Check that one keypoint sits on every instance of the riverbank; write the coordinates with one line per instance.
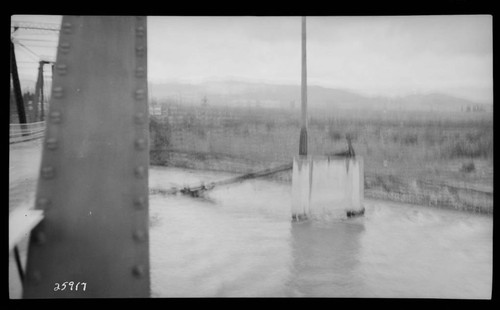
(427, 192)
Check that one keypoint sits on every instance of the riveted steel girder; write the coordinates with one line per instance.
(93, 184)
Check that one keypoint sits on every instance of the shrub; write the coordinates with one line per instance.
(468, 167)
(458, 148)
(409, 139)
(160, 134)
(334, 135)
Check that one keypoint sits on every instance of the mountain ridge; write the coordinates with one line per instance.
(244, 94)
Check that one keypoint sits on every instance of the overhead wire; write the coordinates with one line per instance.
(27, 49)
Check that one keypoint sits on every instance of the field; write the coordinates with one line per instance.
(438, 159)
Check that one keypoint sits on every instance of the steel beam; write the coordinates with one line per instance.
(16, 84)
(93, 184)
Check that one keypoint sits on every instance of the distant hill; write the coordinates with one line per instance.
(245, 94)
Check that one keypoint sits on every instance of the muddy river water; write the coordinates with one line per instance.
(239, 241)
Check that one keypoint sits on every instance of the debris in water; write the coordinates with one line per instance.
(354, 213)
(197, 191)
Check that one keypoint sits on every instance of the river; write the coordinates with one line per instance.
(238, 241)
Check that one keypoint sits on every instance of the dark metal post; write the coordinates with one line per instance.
(38, 101)
(303, 129)
(17, 86)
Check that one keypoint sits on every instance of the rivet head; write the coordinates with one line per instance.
(138, 271)
(139, 235)
(35, 277)
(64, 47)
(48, 172)
(62, 69)
(140, 94)
(52, 143)
(139, 31)
(42, 203)
(139, 118)
(66, 28)
(140, 172)
(140, 72)
(140, 51)
(57, 92)
(55, 117)
(140, 144)
(140, 202)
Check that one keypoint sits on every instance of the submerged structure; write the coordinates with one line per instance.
(327, 186)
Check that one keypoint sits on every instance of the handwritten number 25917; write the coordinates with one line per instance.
(70, 285)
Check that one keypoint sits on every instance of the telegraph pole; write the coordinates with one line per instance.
(303, 129)
(39, 92)
(17, 85)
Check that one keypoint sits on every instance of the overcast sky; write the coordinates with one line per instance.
(373, 55)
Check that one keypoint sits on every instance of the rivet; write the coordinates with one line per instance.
(140, 94)
(139, 236)
(140, 171)
(35, 277)
(48, 172)
(66, 27)
(42, 203)
(62, 69)
(140, 202)
(40, 238)
(139, 51)
(140, 72)
(139, 118)
(55, 117)
(51, 143)
(138, 271)
(139, 31)
(57, 92)
(140, 144)
(65, 47)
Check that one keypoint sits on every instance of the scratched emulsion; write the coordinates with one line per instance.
(239, 241)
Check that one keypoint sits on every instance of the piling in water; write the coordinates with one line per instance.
(327, 186)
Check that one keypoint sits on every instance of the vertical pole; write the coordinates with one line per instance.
(42, 116)
(303, 129)
(42, 111)
(17, 86)
(38, 90)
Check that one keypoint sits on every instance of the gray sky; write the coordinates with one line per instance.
(373, 55)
